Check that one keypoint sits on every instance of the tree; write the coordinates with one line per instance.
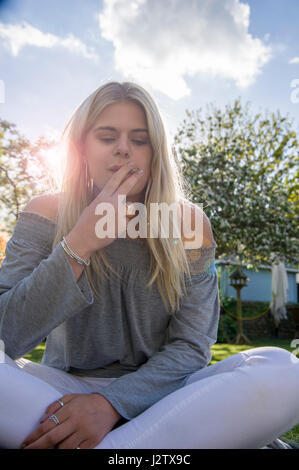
(242, 168)
(18, 183)
(4, 237)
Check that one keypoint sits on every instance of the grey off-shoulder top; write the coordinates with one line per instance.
(127, 334)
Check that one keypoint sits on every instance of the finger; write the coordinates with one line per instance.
(65, 399)
(131, 210)
(117, 177)
(51, 410)
(69, 397)
(54, 407)
(71, 442)
(87, 444)
(128, 183)
(47, 425)
(40, 431)
(53, 437)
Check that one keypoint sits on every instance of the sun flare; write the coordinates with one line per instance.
(50, 165)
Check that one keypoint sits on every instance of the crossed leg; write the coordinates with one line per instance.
(244, 401)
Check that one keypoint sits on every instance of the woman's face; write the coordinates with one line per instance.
(119, 135)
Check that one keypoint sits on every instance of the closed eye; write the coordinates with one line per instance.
(140, 142)
(137, 142)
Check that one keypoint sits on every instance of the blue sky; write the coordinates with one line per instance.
(187, 53)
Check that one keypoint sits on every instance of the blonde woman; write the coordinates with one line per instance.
(129, 317)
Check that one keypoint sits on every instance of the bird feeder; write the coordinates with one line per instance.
(238, 280)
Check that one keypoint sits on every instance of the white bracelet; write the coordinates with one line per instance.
(72, 254)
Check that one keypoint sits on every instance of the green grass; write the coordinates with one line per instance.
(222, 350)
(36, 354)
(219, 352)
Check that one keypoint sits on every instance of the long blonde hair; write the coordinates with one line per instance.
(166, 184)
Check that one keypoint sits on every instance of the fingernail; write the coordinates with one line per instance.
(139, 171)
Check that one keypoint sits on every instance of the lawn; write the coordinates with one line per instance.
(219, 352)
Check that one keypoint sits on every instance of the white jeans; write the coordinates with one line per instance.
(242, 402)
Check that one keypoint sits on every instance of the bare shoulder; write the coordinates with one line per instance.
(45, 205)
(197, 231)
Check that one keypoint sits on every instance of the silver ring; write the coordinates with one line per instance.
(55, 419)
(60, 403)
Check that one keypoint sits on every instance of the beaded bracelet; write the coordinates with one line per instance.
(72, 254)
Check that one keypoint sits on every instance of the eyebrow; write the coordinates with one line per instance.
(108, 128)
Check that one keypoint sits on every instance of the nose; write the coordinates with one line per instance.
(122, 147)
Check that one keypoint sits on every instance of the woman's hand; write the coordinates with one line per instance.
(84, 419)
(84, 231)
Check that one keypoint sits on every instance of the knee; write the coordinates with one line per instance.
(273, 372)
(272, 355)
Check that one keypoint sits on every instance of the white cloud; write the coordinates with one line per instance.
(294, 60)
(162, 42)
(17, 36)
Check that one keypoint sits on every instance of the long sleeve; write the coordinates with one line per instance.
(38, 289)
(190, 334)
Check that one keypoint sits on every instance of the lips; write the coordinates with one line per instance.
(115, 168)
